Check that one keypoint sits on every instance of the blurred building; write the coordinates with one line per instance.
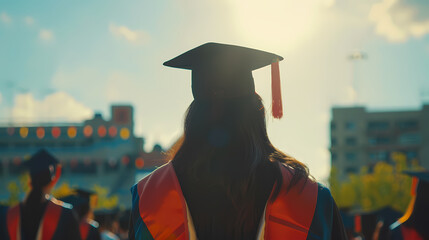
(362, 138)
(93, 152)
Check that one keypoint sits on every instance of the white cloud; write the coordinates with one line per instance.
(46, 35)
(29, 20)
(398, 20)
(4, 17)
(56, 107)
(133, 36)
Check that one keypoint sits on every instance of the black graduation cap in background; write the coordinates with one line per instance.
(422, 175)
(78, 197)
(81, 201)
(41, 161)
(225, 71)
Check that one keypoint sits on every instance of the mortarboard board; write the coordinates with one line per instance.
(422, 175)
(41, 161)
(80, 199)
(225, 71)
(78, 196)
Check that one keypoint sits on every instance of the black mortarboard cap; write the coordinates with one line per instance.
(84, 193)
(225, 71)
(41, 161)
(422, 175)
(78, 197)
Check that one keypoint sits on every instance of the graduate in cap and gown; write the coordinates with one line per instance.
(81, 202)
(414, 224)
(40, 216)
(226, 180)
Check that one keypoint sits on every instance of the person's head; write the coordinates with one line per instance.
(81, 201)
(418, 211)
(44, 170)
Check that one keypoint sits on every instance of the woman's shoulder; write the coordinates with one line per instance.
(164, 173)
(321, 189)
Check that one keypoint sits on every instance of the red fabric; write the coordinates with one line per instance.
(291, 213)
(163, 209)
(276, 93)
(409, 233)
(50, 220)
(358, 224)
(414, 183)
(13, 216)
(84, 229)
(162, 206)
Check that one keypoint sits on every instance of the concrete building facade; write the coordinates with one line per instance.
(362, 138)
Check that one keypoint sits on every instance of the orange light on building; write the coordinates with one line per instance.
(124, 133)
(87, 131)
(10, 131)
(125, 160)
(73, 163)
(56, 132)
(71, 132)
(139, 163)
(23, 132)
(40, 132)
(102, 131)
(113, 131)
(16, 161)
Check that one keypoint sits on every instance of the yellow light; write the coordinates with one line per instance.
(23, 132)
(124, 133)
(71, 132)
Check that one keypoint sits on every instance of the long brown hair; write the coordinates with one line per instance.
(225, 144)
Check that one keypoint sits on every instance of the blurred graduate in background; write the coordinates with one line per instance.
(40, 216)
(415, 222)
(81, 201)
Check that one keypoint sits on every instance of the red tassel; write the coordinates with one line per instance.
(358, 224)
(277, 106)
(414, 186)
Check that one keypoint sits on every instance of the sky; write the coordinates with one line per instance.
(62, 61)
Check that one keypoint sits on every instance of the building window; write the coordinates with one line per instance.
(411, 155)
(351, 141)
(15, 166)
(111, 165)
(408, 125)
(379, 156)
(333, 157)
(351, 170)
(378, 125)
(333, 126)
(351, 156)
(378, 140)
(333, 141)
(83, 167)
(409, 138)
(350, 126)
